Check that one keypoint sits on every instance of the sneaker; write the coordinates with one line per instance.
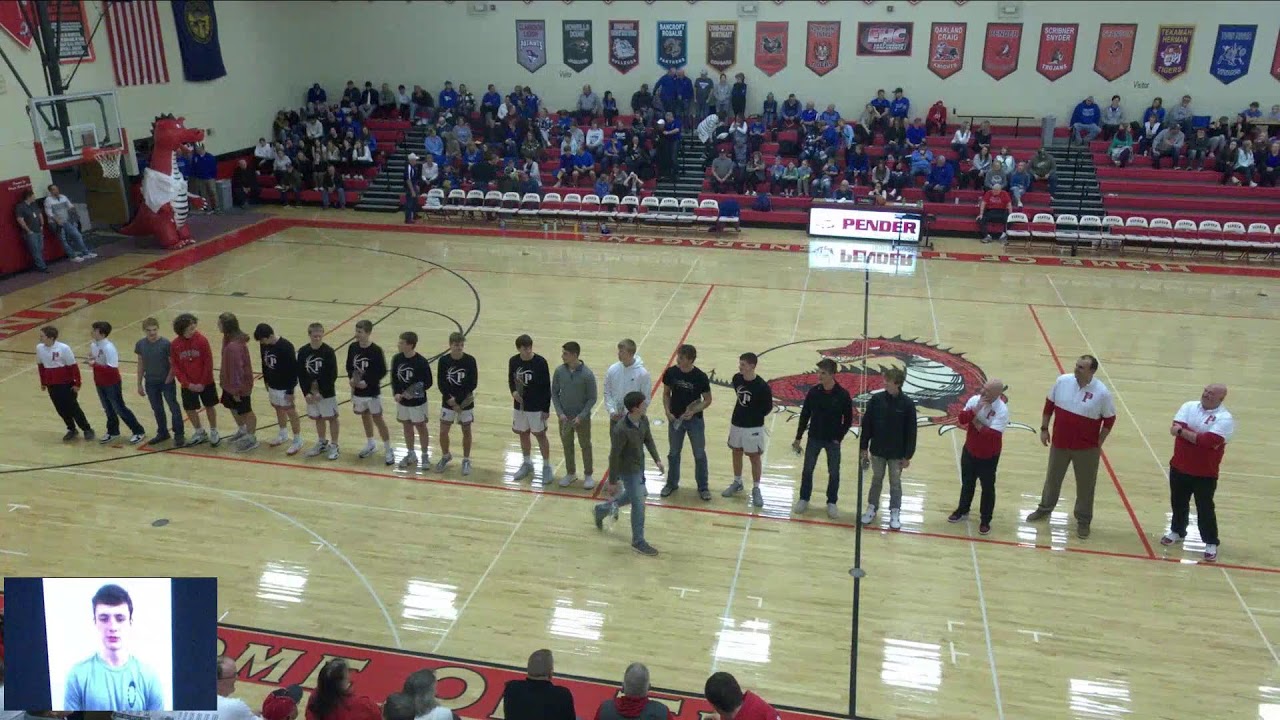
(986, 239)
(1171, 538)
(548, 474)
(295, 447)
(832, 512)
(734, 488)
(466, 466)
(81, 258)
(1215, 554)
(214, 438)
(198, 437)
(984, 528)
(957, 516)
(757, 499)
(71, 435)
(179, 441)
(159, 438)
(390, 457)
(369, 448)
(407, 461)
(333, 451)
(107, 438)
(236, 436)
(247, 443)
(868, 515)
(800, 508)
(1082, 530)
(91, 254)
(318, 448)
(895, 522)
(1210, 553)
(444, 462)
(526, 470)
(1037, 514)
(279, 439)
(644, 548)
(136, 438)
(668, 489)
(1004, 237)
(588, 482)
(88, 435)
(599, 513)
(568, 480)
(704, 494)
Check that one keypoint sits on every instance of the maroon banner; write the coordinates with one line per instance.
(771, 47)
(624, 44)
(1057, 49)
(946, 48)
(1001, 48)
(1114, 57)
(892, 39)
(1275, 61)
(1173, 51)
(822, 47)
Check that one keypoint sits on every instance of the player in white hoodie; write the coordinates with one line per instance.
(626, 375)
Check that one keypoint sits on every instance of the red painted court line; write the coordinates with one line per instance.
(1106, 462)
(378, 302)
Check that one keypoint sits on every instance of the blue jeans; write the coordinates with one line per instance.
(410, 205)
(696, 429)
(112, 398)
(1085, 132)
(1052, 181)
(159, 394)
(634, 492)
(342, 197)
(72, 240)
(812, 449)
(35, 245)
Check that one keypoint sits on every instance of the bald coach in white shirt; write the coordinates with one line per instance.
(1201, 430)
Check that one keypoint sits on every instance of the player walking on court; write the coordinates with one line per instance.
(827, 413)
(626, 375)
(280, 375)
(746, 428)
(410, 380)
(1083, 414)
(105, 360)
(887, 441)
(317, 376)
(628, 439)
(529, 379)
(573, 393)
(237, 382)
(366, 368)
(458, 379)
(192, 362)
(984, 418)
(60, 377)
(1201, 431)
(686, 393)
(155, 382)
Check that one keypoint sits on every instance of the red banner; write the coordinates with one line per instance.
(771, 47)
(1001, 48)
(1057, 49)
(12, 20)
(822, 47)
(946, 48)
(1115, 51)
(1275, 61)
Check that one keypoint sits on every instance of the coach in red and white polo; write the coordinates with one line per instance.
(1201, 431)
(1083, 413)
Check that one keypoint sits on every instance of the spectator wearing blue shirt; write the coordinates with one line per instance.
(530, 103)
(448, 97)
(316, 95)
(669, 134)
(584, 160)
(490, 102)
(916, 133)
(755, 134)
(921, 160)
(665, 90)
(791, 109)
(684, 95)
(830, 116)
(1019, 183)
(899, 106)
(809, 116)
(1085, 121)
(770, 110)
(880, 104)
(941, 175)
(204, 173)
(831, 139)
(112, 678)
(1253, 112)
(856, 164)
(434, 144)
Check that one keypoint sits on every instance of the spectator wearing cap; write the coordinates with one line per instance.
(1085, 121)
(448, 97)
(729, 701)
(900, 106)
(993, 206)
(282, 704)
(1112, 118)
(230, 708)
(334, 697)
(634, 701)
(941, 177)
(420, 688)
(536, 697)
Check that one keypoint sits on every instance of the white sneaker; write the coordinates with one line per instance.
(369, 448)
(333, 451)
(1210, 553)
(832, 512)
(79, 258)
(588, 482)
(214, 438)
(801, 507)
(136, 438)
(466, 466)
(407, 461)
(390, 456)
(278, 440)
(1170, 538)
(894, 522)
(294, 447)
(319, 447)
(869, 515)
(565, 481)
(197, 437)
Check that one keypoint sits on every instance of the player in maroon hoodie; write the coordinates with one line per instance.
(237, 381)
(192, 363)
(731, 703)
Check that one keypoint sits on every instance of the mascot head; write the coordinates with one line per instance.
(171, 132)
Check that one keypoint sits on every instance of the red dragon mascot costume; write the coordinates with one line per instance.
(164, 191)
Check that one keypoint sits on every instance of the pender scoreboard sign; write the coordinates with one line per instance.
(863, 224)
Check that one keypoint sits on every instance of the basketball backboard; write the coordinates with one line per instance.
(64, 126)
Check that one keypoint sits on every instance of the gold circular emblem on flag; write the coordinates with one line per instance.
(199, 20)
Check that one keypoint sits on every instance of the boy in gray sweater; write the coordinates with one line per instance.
(629, 438)
(573, 394)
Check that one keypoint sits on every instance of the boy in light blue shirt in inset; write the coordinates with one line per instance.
(112, 679)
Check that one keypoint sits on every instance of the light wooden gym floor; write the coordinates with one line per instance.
(1029, 622)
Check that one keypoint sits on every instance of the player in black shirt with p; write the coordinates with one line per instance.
(458, 378)
(410, 380)
(280, 375)
(317, 375)
(366, 368)
(529, 379)
(686, 392)
(746, 429)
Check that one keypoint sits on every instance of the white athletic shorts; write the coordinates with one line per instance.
(415, 414)
(748, 440)
(371, 405)
(281, 398)
(323, 408)
(465, 417)
(522, 421)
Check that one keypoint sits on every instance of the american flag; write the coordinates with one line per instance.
(137, 49)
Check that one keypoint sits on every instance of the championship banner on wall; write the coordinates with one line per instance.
(13, 14)
(1275, 60)
(771, 47)
(890, 39)
(577, 44)
(722, 44)
(1001, 48)
(1173, 50)
(673, 44)
(822, 47)
(71, 30)
(946, 48)
(1233, 52)
(1057, 49)
(531, 44)
(1114, 56)
(624, 44)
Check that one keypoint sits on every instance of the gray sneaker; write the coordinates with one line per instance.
(444, 462)
(526, 470)
(734, 488)
(644, 548)
(466, 466)
(548, 474)
(407, 461)
(317, 449)
(600, 512)
(757, 499)
(704, 494)
(1037, 514)
(247, 443)
(198, 437)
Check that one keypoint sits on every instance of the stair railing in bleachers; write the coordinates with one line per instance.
(976, 119)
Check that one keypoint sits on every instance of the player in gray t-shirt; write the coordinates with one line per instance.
(112, 679)
(155, 381)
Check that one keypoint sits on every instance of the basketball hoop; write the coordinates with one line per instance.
(108, 159)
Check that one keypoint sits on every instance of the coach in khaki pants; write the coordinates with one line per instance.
(573, 394)
(1083, 413)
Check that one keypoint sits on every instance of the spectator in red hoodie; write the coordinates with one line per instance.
(936, 120)
(192, 362)
(731, 703)
(236, 375)
(634, 701)
(105, 360)
(60, 377)
(984, 418)
(334, 698)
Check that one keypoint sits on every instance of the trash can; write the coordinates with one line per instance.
(1048, 124)
(222, 193)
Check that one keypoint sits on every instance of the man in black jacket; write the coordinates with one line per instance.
(830, 410)
(536, 697)
(888, 441)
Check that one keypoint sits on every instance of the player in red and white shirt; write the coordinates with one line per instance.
(1083, 413)
(105, 360)
(1201, 431)
(984, 418)
(60, 376)
(731, 703)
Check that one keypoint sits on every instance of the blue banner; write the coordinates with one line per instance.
(673, 44)
(1232, 52)
(197, 26)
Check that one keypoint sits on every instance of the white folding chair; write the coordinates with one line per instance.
(455, 202)
(1137, 233)
(1067, 228)
(571, 206)
(590, 208)
(609, 207)
(1090, 229)
(509, 205)
(1160, 234)
(1233, 238)
(688, 211)
(1185, 236)
(1113, 232)
(1017, 227)
(1209, 236)
(530, 207)
(1043, 228)
(649, 211)
(1261, 240)
(550, 206)
(628, 209)
(433, 202)
(708, 212)
(669, 210)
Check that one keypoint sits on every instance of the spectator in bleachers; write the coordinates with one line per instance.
(857, 164)
(755, 174)
(642, 103)
(594, 139)
(611, 153)
(921, 160)
(704, 94)
(466, 103)
(707, 131)
(936, 119)
(639, 158)
(1225, 159)
(350, 95)
(895, 138)
(517, 95)
(830, 116)
(789, 180)
(776, 171)
(536, 697)
(995, 174)
(899, 106)
(1274, 115)
(791, 109)
(1085, 121)
(1121, 149)
(286, 178)
(845, 192)
(993, 206)
(979, 165)
(684, 96)
(982, 136)
(864, 128)
(421, 104)
(878, 194)
(1151, 128)
(1006, 159)
(724, 173)
(941, 177)
(738, 131)
(304, 167)
(1197, 148)
(1112, 118)
(403, 102)
(1019, 183)
(434, 145)
(664, 91)
(448, 97)
(634, 703)
(755, 133)
(361, 158)
(609, 106)
(333, 183)
(319, 166)
(386, 101)
(722, 94)
(804, 177)
(1241, 166)
(600, 184)
(474, 155)
(316, 95)
(809, 116)
(1269, 165)
(490, 102)
(820, 183)
(830, 179)
(1168, 144)
(961, 141)
(1044, 167)
(738, 95)
(314, 128)
(1152, 117)
(244, 185)
(880, 174)
(588, 105)
(1181, 115)
(916, 134)
(881, 105)
(334, 697)
(530, 103)
(573, 140)
(1253, 112)
(769, 112)
(368, 100)
(814, 149)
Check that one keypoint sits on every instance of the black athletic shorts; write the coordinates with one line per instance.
(236, 407)
(208, 397)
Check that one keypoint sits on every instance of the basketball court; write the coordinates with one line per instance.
(1028, 622)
